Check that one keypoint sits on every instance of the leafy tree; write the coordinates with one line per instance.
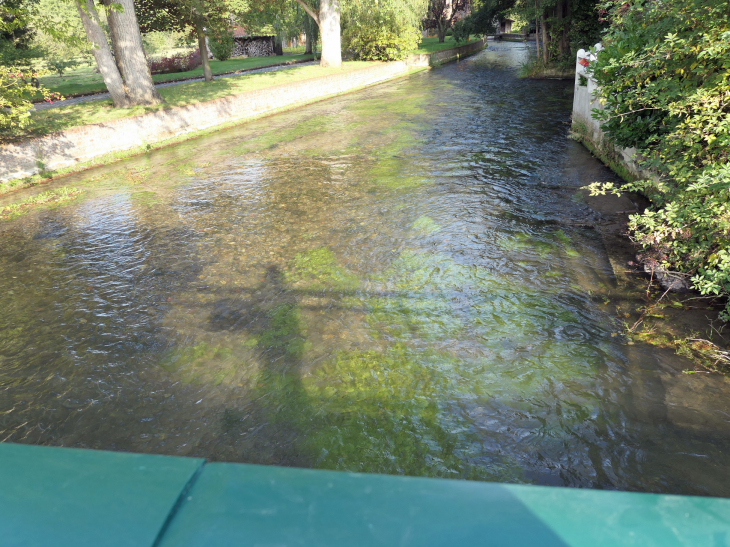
(462, 30)
(203, 17)
(16, 89)
(485, 14)
(59, 32)
(386, 31)
(17, 46)
(283, 18)
(17, 85)
(127, 79)
(60, 65)
(221, 44)
(442, 14)
(563, 27)
(664, 78)
(126, 41)
(327, 18)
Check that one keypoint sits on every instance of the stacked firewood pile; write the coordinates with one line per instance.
(253, 46)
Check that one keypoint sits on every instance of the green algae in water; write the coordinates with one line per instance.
(384, 412)
(202, 363)
(563, 238)
(48, 200)
(286, 332)
(422, 286)
(145, 197)
(395, 173)
(521, 243)
(459, 363)
(318, 269)
(425, 225)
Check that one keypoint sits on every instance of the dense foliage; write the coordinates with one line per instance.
(16, 90)
(569, 26)
(664, 78)
(18, 80)
(442, 14)
(221, 44)
(387, 30)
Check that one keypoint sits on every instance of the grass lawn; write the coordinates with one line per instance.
(297, 49)
(430, 45)
(83, 81)
(56, 119)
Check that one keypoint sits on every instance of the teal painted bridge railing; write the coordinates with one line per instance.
(58, 497)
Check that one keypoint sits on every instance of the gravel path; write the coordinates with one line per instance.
(102, 96)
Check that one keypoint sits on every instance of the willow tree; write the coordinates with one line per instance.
(387, 30)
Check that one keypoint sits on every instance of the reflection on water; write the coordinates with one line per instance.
(394, 281)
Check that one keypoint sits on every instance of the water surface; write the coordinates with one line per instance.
(399, 280)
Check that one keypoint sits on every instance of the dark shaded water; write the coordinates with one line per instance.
(392, 281)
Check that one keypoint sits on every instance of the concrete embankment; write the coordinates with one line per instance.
(588, 130)
(89, 145)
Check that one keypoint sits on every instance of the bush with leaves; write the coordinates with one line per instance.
(386, 31)
(664, 80)
(221, 45)
(60, 65)
(17, 89)
(461, 31)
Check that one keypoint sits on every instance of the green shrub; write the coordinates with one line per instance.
(382, 44)
(17, 87)
(664, 78)
(386, 31)
(60, 65)
(462, 30)
(221, 45)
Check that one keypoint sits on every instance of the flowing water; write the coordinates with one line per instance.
(393, 281)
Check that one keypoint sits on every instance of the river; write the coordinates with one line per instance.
(398, 280)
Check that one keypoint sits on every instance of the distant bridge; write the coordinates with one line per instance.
(511, 37)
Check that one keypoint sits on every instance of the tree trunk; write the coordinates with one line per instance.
(441, 30)
(537, 31)
(564, 40)
(329, 28)
(278, 46)
(127, 43)
(308, 48)
(102, 54)
(544, 40)
(203, 51)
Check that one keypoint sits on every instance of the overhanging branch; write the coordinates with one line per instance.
(309, 10)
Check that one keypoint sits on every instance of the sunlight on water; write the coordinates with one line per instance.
(380, 282)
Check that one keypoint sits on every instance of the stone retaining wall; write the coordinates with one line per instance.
(440, 57)
(78, 145)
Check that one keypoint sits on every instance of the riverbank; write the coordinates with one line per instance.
(684, 322)
(73, 86)
(65, 140)
(681, 322)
